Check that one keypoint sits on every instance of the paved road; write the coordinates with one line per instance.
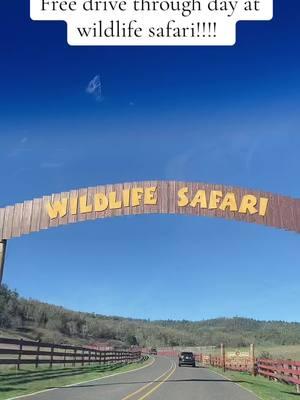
(163, 380)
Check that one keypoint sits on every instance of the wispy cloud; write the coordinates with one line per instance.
(224, 151)
(177, 167)
(51, 165)
(94, 88)
(20, 148)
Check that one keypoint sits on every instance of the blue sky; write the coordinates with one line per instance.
(221, 115)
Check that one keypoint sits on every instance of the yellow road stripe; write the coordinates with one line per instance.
(161, 383)
(145, 386)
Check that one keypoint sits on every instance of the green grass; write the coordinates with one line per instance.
(262, 387)
(28, 380)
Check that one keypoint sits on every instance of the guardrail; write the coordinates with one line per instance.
(25, 352)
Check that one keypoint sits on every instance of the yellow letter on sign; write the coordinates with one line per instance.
(199, 198)
(263, 205)
(57, 209)
(84, 206)
(215, 198)
(136, 196)
(182, 198)
(230, 202)
(101, 202)
(150, 198)
(248, 204)
(113, 202)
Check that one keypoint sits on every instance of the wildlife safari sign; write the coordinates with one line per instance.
(149, 197)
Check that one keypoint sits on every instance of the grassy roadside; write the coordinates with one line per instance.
(16, 383)
(262, 387)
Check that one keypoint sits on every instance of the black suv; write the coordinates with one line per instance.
(153, 351)
(187, 358)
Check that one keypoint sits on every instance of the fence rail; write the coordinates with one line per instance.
(19, 351)
(281, 370)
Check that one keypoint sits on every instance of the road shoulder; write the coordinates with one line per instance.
(54, 379)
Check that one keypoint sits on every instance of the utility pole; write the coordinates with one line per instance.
(2, 258)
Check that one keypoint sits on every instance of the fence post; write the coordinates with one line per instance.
(20, 353)
(252, 359)
(51, 355)
(82, 357)
(74, 357)
(37, 355)
(223, 357)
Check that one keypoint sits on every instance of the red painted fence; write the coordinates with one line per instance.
(233, 365)
(281, 370)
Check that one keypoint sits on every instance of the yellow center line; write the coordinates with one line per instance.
(161, 383)
(148, 384)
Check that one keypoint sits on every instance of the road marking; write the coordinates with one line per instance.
(161, 383)
(80, 383)
(147, 385)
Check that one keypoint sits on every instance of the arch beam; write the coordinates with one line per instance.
(150, 197)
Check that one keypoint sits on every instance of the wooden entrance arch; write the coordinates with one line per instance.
(148, 197)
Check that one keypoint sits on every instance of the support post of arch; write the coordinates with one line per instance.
(3, 244)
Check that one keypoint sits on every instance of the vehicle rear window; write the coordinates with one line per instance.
(187, 354)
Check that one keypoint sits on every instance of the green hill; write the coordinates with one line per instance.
(36, 320)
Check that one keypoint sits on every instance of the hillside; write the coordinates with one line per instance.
(36, 320)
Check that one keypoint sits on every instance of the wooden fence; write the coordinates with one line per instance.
(280, 370)
(242, 365)
(25, 352)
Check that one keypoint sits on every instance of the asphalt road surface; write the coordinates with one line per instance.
(163, 380)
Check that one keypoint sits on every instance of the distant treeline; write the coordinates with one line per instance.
(52, 323)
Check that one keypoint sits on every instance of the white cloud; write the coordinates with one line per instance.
(94, 88)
